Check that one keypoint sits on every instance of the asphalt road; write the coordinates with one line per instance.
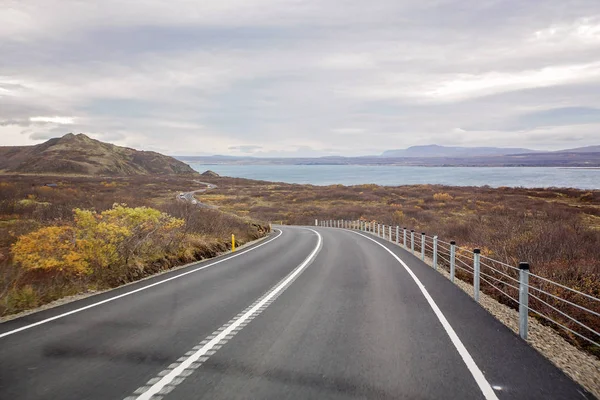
(190, 196)
(310, 313)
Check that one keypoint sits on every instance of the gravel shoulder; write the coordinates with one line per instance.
(582, 367)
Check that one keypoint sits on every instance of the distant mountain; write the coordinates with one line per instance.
(79, 154)
(586, 149)
(435, 150)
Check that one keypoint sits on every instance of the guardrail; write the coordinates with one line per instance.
(557, 305)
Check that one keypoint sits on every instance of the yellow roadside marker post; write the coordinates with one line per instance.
(232, 242)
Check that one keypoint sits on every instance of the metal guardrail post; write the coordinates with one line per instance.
(391, 238)
(412, 241)
(435, 238)
(523, 299)
(452, 260)
(422, 246)
(476, 270)
(397, 234)
(404, 234)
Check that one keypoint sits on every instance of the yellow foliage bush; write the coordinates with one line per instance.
(442, 197)
(51, 248)
(100, 243)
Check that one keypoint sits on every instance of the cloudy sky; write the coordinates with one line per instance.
(301, 78)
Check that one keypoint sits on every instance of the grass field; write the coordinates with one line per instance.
(48, 251)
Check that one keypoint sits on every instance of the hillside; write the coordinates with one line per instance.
(449, 151)
(586, 149)
(80, 154)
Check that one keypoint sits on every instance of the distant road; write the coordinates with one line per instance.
(309, 313)
(190, 196)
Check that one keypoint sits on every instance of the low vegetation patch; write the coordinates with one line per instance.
(83, 234)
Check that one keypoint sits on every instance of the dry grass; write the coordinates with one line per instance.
(27, 205)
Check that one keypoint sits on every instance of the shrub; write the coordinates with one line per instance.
(100, 243)
(442, 197)
(52, 249)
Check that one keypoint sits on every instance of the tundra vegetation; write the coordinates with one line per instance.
(62, 236)
(556, 230)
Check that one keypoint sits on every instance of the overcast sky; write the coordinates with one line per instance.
(301, 78)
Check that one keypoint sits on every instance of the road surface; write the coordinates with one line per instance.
(190, 196)
(309, 313)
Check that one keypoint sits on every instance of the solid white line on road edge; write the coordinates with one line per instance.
(176, 373)
(483, 384)
(136, 290)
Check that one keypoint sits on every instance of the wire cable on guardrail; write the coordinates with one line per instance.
(500, 262)
(500, 290)
(500, 272)
(562, 326)
(564, 300)
(565, 287)
(499, 280)
(565, 315)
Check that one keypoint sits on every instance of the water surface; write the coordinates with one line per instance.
(528, 177)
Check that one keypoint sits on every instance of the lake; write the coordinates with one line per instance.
(401, 175)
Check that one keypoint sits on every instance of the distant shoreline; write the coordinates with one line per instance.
(383, 165)
(597, 168)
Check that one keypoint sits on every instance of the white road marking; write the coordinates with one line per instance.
(176, 373)
(483, 384)
(136, 290)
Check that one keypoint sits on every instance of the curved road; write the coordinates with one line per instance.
(309, 313)
(190, 196)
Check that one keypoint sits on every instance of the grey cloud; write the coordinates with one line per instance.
(41, 135)
(285, 78)
(17, 122)
(246, 148)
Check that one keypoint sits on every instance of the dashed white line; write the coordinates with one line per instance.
(136, 290)
(483, 384)
(176, 373)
